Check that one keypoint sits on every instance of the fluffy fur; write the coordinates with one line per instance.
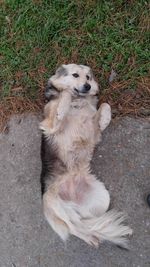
(74, 201)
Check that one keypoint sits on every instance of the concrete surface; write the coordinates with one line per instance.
(122, 161)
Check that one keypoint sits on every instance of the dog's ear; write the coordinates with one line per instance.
(92, 76)
(50, 91)
(61, 71)
(90, 72)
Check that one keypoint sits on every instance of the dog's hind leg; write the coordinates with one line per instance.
(57, 224)
(67, 217)
(98, 199)
(63, 229)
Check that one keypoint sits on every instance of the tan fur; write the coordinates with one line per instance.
(76, 202)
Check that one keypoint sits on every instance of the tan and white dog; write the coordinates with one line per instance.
(74, 201)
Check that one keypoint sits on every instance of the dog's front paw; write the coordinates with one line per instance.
(60, 115)
(64, 106)
(105, 116)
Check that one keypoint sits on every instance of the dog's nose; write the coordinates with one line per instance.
(87, 87)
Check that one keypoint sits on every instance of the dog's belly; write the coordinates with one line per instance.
(76, 142)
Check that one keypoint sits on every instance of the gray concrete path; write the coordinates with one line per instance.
(122, 161)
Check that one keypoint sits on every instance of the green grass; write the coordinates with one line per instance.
(37, 36)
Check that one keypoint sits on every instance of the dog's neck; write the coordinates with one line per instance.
(92, 100)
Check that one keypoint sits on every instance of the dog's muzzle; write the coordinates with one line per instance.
(84, 89)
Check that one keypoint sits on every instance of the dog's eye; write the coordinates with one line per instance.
(87, 76)
(76, 75)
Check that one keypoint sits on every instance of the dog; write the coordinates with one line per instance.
(75, 202)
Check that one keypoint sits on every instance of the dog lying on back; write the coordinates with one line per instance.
(74, 201)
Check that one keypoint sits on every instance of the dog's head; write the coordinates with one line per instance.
(78, 79)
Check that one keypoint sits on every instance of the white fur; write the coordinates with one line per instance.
(88, 220)
(76, 202)
(69, 82)
(105, 116)
(64, 105)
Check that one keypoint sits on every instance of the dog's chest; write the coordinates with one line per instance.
(80, 119)
(76, 141)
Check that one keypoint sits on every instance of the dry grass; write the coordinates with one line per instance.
(128, 102)
(17, 105)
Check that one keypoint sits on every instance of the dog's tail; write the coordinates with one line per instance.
(107, 227)
(66, 219)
